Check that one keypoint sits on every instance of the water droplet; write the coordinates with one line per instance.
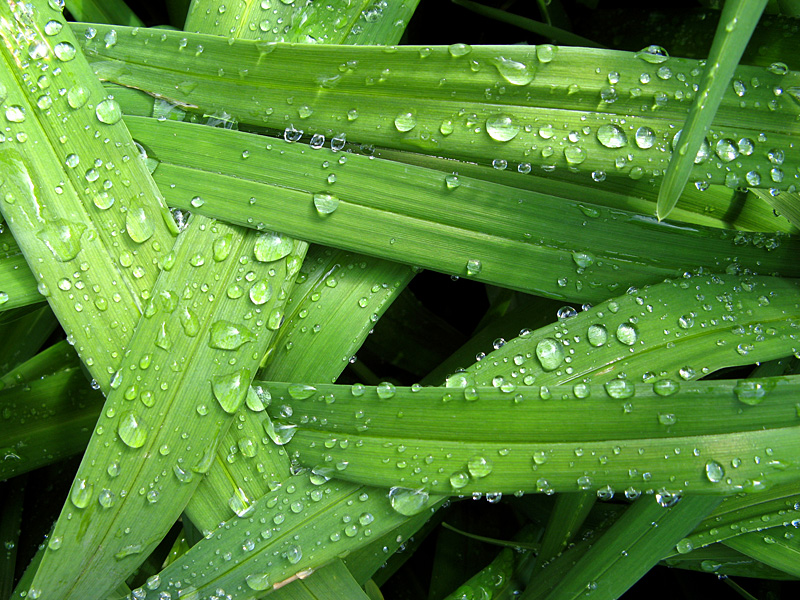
(81, 493)
(502, 128)
(714, 471)
(516, 73)
(575, 155)
(597, 335)
(666, 387)
(62, 238)
(386, 390)
(225, 335)
(271, 246)
(612, 136)
(727, 150)
(15, 113)
(459, 479)
(260, 292)
(473, 267)
(405, 121)
(294, 554)
(230, 390)
(645, 138)
(550, 353)
(132, 430)
(258, 581)
(653, 54)
(478, 466)
(325, 203)
(38, 50)
(301, 391)
(627, 333)
(65, 51)
(457, 50)
(408, 502)
(139, 224)
(108, 111)
(620, 388)
(749, 391)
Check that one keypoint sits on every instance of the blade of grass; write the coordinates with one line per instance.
(736, 24)
(721, 561)
(171, 403)
(630, 548)
(56, 358)
(786, 203)
(91, 227)
(46, 420)
(440, 441)
(114, 12)
(545, 245)
(690, 327)
(411, 106)
(566, 519)
(488, 581)
(27, 329)
(775, 548)
(13, 494)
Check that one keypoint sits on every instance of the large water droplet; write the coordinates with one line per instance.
(260, 292)
(645, 137)
(550, 353)
(459, 479)
(271, 246)
(405, 121)
(457, 50)
(501, 128)
(408, 502)
(301, 391)
(749, 391)
(230, 390)
(139, 224)
(108, 111)
(653, 54)
(478, 466)
(63, 238)
(225, 335)
(258, 581)
(597, 335)
(627, 333)
(294, 554)
(81, 493)
(222, 246)
(612, 136)
(77, 96)
(714, 471)
(189, 322)
(65, 52)
(515, 73)
(325, 203)
(620, 388)
(132, 430)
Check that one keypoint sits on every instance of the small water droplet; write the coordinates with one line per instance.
(108, 111)
(516, 73)
(750, 391)
(258, 581)
(612, 136)
(550, 354)
(386, 390)
(81, 493)
(65, 52)
(294, 554)
(627, 333)
(325, 203)
(502, 128)
(714, 471)
(271, 246)
(225, 335)
(479, 467)
(405, 121)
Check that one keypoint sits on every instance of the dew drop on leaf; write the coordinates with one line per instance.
(271, 246)
(132, 430)
(81, 493)
(502, 128)
(258, 581)
(408, 502)
(108, 111)
(230, 390)
(550, 354)
(225, 335)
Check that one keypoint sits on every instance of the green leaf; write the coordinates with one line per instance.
(775, 548)
(187, 373)
(736, 24)
(115, 12)
(409, 98)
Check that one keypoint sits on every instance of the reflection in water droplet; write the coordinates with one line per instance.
(77, 96)
(139, 224)
(620, 388)
(260, 292)
(294, 554)
(478, 466)
(65, 52)
(750, 391)
(258, 581)
(627, 333)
